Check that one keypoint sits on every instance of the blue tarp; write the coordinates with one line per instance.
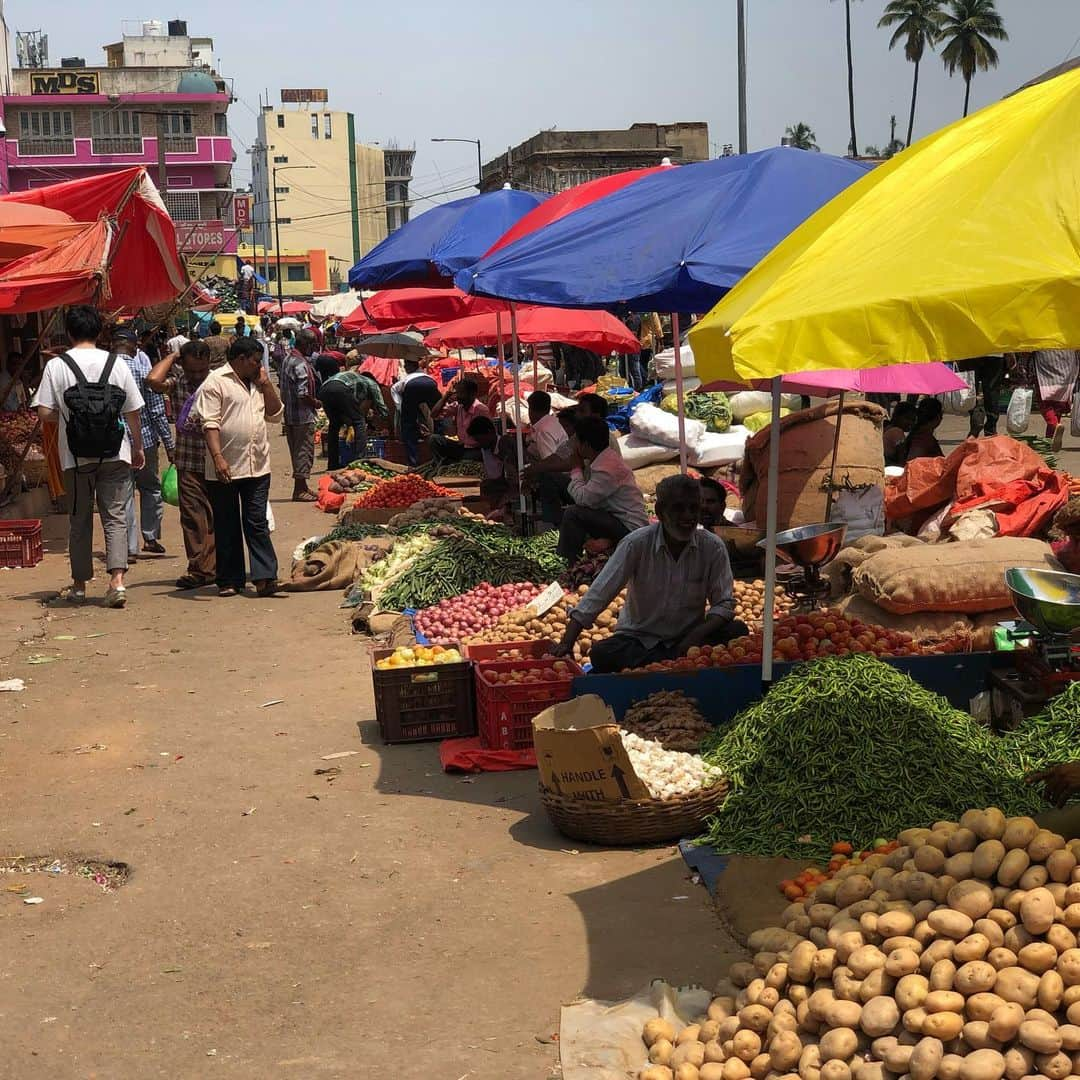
(619, 419)
(437, 243)
(673, 241)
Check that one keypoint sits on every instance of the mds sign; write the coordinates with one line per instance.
(64, 81)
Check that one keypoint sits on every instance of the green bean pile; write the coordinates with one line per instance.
(454, 567)
(499, 540)
(1051, 738)
(849, 748)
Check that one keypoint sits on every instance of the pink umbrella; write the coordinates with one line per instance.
(934, 378)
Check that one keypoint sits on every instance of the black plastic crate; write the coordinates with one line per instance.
(423, 703)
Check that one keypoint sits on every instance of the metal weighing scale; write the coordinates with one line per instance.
(1047, 636)
(807, 549)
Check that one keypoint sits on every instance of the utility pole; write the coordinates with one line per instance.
(741, 28)
(163, 180)
(892, 131)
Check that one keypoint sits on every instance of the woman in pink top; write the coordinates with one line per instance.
(463, 410)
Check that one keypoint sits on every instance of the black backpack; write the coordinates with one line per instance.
(94, 428)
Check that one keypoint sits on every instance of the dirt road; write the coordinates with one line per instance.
(392, 921)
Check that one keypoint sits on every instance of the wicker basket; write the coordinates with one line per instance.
(633, 822)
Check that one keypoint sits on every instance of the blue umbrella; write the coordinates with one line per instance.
(673, 241)
(431, 248)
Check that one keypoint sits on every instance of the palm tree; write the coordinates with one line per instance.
(917, 24)
(967, 28)
(801, 136)
(854, 144)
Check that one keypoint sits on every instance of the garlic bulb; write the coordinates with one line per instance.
(667, 773)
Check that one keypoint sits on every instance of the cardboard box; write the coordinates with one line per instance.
(580, 755)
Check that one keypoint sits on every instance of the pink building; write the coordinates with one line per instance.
(76, 120)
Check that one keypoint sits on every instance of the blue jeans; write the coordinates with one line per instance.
(146, 483)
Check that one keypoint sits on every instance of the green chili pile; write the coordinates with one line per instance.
(1051, 738)
(849, 748)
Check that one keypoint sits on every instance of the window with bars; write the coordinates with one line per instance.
(328, 127)
(281, 190)
(281, 159)
(314, 125)
(284, 220)
(183, 205)
(106, 122)
(45, 124)
(297, 272)
(177, 124)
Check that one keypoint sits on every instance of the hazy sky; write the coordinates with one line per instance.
(502, 71)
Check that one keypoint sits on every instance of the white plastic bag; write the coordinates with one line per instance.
(664, 363)
(637, 452)
(270, 515)
(862, 511)
(1019, 411)
(746, 402)
(656, 426)
(960, 402)
(720, 448)
(1074, 417)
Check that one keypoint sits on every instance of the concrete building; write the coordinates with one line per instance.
(555, 160)
(332, 192)
(156, 101)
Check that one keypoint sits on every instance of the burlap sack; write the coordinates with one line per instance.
(948, 577)
(924, 626)
(839, 572)
(651, 475)
(806, 448)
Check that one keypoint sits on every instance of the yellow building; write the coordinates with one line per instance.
(331, 192)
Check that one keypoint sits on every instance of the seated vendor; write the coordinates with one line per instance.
(462, 410)
(679, 588)
(896, 431)
(922, 442)
(494, 485)
(550, 475)
(608, 504)
(547, 436)
(713, 502)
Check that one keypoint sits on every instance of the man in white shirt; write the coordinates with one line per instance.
(608, 504)
(679, 588)
(106, 480)
(547, 435)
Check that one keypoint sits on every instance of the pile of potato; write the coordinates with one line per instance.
(955, 957)
(750, 601)
(670, 718)
(442, 508)
(525, 625)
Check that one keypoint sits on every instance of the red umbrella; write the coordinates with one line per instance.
(595, 330)
(566, 202)
(393, 309)
(290, 307)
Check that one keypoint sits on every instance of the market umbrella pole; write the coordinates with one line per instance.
(835, 451)
(772, 494)
(501, 369)
(679, 390)
(517, 402)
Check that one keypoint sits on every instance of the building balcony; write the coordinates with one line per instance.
(180, 144)
(117, 144)
(46, 147)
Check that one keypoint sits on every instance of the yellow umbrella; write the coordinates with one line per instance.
(965, 244)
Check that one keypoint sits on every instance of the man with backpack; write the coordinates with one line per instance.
(88, 392)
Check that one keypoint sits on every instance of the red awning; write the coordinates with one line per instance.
(127, 248)
(392, 309)
(598, 331)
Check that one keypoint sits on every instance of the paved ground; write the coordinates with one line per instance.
(392, 922)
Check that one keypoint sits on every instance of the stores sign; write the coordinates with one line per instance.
(294, 97)
(201, 236)
(65, 81)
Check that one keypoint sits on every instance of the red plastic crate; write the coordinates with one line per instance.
(505, 711)
(499, 651)
(20, 543)
(413, 704)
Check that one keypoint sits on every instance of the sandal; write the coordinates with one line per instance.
(306, 496)
(266, 588)
(71, 595)
(226, 590)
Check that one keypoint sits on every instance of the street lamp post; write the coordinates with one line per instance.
(277, 233)
(479, 159)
